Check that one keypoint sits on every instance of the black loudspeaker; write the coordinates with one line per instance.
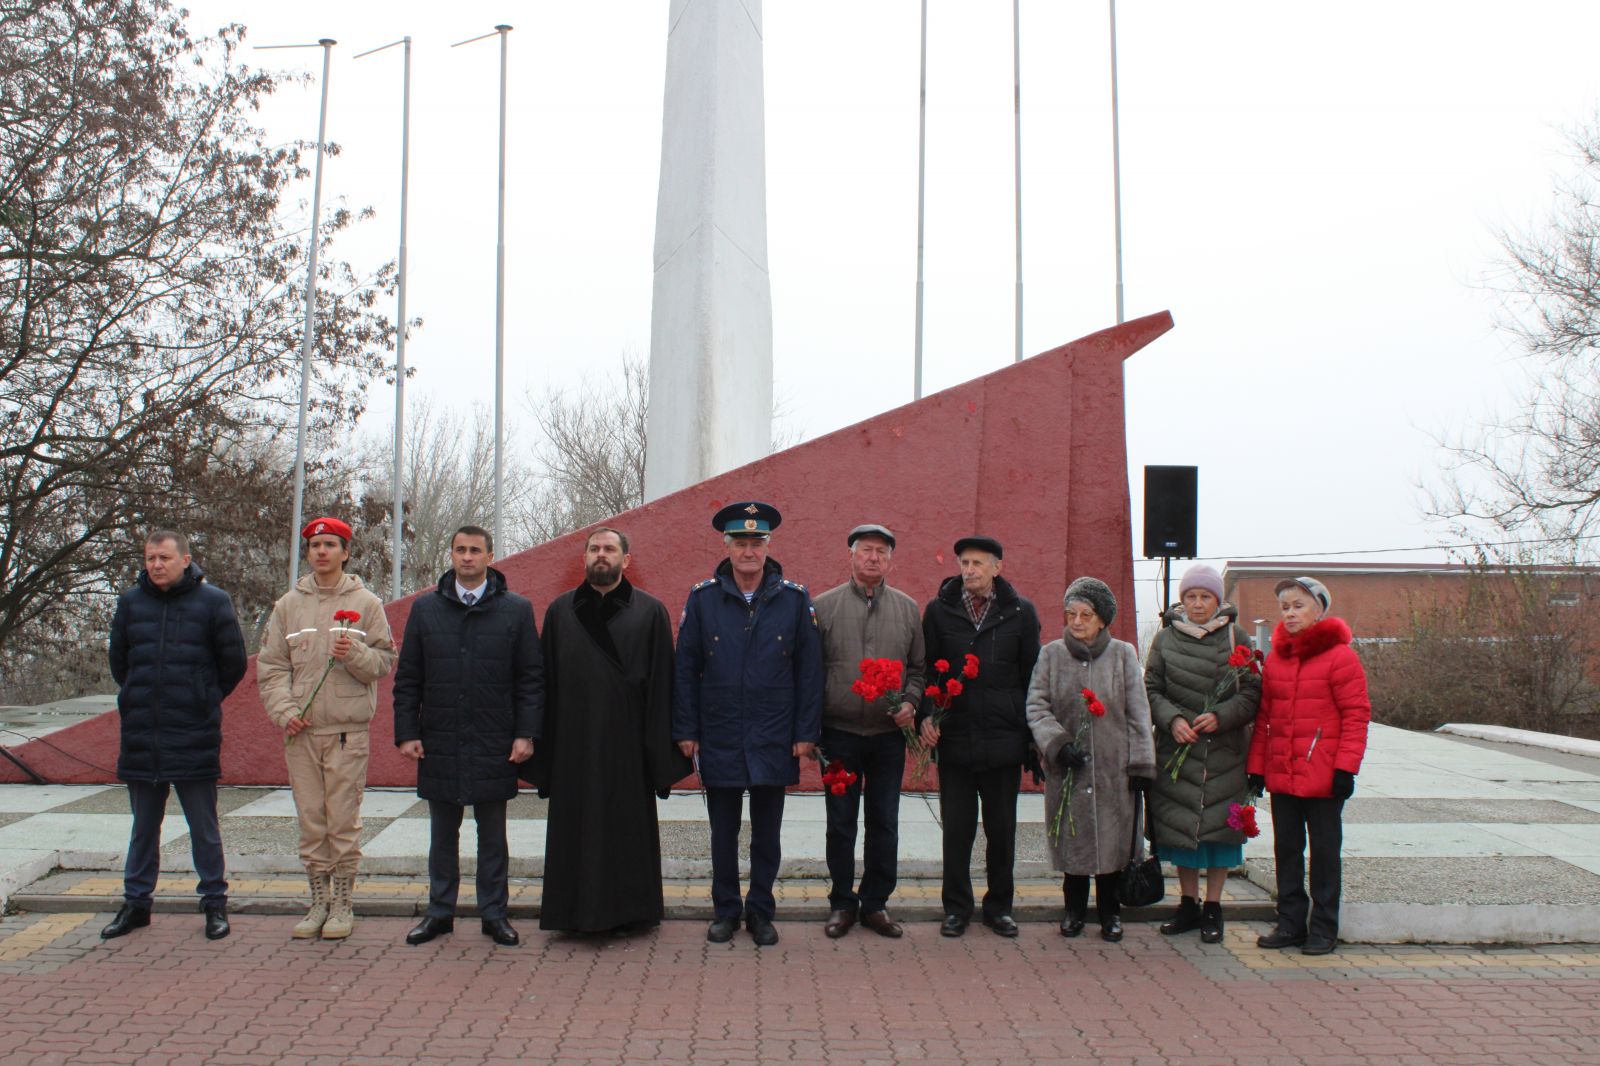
(1170, 509)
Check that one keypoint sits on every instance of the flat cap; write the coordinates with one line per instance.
(983, 544)
(869, 529)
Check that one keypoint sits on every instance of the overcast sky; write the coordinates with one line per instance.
(1311, 190)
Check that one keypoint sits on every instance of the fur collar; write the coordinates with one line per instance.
(1323, 634)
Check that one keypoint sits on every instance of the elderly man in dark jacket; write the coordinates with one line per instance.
(747, 703)
(983, 739)
(176, 652)
(468, 704)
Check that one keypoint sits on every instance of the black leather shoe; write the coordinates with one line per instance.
(127, 920)
(1004, 925)
(1318, 945)
(429, 928)
(1280, 938)
(499, 930)
(721, 930)
(839, 923)
(1211, 923)
(880, 922)
(1072, 924)
(217, 923)
(761, 929)
(1185, 918)
(953, 925)
(1111, 928)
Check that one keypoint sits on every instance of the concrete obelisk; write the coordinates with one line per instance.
(711, 314)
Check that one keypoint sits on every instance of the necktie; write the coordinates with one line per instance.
(469, 598)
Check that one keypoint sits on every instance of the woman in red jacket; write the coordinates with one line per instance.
(1309, 739)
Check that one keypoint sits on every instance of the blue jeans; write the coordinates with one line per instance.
(880, 762)
(149, 802)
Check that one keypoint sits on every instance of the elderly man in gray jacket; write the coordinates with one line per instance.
(866, 619)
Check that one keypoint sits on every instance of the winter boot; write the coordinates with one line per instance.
(341, 914)
(1185, 919)
(1211, 924)
(310, 927)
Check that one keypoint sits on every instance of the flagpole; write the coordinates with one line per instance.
(1016, 139)
(1116, 161)
(922, 171)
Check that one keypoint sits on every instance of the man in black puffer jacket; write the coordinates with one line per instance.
(468, 705)
(983, 739)
(176, 652)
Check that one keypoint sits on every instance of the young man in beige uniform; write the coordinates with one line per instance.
(311, 659)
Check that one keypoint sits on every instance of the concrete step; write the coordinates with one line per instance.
(915, 899)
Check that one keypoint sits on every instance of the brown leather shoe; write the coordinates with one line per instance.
(839, 923)
(880, 922)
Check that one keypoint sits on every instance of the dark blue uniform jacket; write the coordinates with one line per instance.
(749, 679)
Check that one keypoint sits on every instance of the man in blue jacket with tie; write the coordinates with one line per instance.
(747, 704)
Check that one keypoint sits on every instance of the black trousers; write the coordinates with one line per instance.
(444, 858)
(1295, 819)
(880, 762)
(961, 791)
(1075, 887)
(149, 802)
(725, 807)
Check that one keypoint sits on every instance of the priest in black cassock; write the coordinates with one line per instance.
(607, 750)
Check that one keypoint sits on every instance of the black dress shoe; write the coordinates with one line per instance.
(217, 923)
(1111, 928)
(127, 920)
(839, 923)
(1072, 924)
(1318, 945)
(721, 930)
(499, 930)
(761, 929)
(880, 922)
(953, 925)
(1002, 924)
(429, 928)
(1280, 938)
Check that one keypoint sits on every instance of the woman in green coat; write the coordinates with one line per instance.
(1196, 699)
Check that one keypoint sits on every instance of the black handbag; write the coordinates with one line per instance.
(1141, 883)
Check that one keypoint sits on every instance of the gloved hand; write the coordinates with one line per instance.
(663, 793)
(1140, 784)
(1255, 784)
(1033, 766)
(1072, 756)
(1344, 784)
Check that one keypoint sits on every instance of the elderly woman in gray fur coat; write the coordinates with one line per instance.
(1103, 740)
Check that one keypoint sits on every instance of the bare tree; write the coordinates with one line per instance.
(449, 482)
(150, 297)
(1537, 469)
(590, 460)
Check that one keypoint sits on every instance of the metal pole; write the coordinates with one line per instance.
(1116, 161)
(922, 170)
(1016, 138)
(500, 314)
(306, 337)
(398, 550)
(397, 544)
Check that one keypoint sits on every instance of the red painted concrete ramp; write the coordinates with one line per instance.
(1034, 454)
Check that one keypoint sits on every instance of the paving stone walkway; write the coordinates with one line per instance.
(165, 994)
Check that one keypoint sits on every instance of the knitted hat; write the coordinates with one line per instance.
(1201, 576)
(1096, 593)
(1317, 590)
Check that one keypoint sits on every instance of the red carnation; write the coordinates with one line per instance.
(970, 670)
(953, 687)
(347, 616)
(942, 666)
(933, 692)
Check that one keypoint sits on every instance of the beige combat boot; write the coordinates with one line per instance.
(341, 915)
(310, 927)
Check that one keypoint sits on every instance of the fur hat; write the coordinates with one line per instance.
(1096, 593)
(1201, 576)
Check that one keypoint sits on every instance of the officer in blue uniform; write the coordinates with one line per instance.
(747, 704)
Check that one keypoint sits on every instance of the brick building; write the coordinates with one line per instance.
(1377, 599)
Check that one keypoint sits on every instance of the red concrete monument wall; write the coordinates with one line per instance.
(1034, 454)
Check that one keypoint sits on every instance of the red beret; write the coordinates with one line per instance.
(326, 525)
